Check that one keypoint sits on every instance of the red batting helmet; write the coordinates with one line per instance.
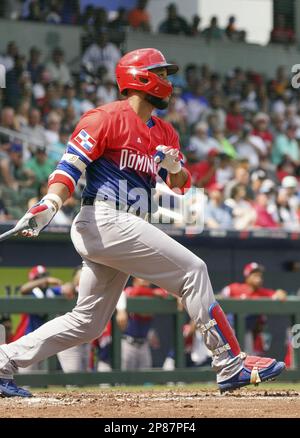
(37, 272)
(134, 71)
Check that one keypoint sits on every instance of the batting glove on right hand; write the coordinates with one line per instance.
(39, 216)
(167, 158)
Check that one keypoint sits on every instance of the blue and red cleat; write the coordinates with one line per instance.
(256, 370)
(8, 388)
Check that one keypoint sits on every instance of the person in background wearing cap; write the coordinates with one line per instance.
(217, 214)
(253, 288)
(249, 145)
(264, 204)
(40, 285)
(256, 179)
(286, 146)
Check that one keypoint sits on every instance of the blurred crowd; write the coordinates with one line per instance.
(240, 132)
(94, 18)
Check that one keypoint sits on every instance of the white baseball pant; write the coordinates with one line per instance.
(113, 245)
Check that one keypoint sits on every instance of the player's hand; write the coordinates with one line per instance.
(38, 217)
(168, 158)
(280, 295)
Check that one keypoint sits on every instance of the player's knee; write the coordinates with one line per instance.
(199, 267)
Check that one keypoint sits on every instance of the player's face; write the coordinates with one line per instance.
(161, 72)
(255, 279)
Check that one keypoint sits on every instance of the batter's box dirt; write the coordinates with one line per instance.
(175, 403)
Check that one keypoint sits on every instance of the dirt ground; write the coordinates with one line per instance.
(169, 403)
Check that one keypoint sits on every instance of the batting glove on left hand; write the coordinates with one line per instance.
(38, 217)
(167, 158)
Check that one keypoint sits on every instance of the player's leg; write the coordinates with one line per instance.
(99, 291)
(132, 245)
(145, 357)
(72, 360)
(129, 356)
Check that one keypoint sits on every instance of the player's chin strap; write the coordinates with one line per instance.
(220, 323)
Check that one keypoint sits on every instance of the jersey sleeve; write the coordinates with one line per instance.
(87, 144)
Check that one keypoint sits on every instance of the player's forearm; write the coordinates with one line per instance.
(178, 179)
(60, 190)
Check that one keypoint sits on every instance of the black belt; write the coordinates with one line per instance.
(134, 341)
(127, 208)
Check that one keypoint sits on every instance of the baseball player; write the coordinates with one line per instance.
(138, 335)
(117, 145)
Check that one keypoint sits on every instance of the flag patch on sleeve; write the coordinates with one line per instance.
(85, 140)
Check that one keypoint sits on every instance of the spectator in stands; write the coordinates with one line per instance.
(216, 108)
(291, 185)
(282, 33)
(261, 129)
(57, 67)
(174, 24)
(139, 18)
(56, 150)
(248, 145)
(8, 119)
(69, 120)
(224, 144)
(264, 218)
(54, 14)
(34, 130)
(284, 212)
(234, 119)
(213, 32)
(195, 28)
(244, 215)
(53, 127)
(176, 114)
(117, 27)
(101, 21)
(34, 66)
(70, 99)
(107, 91)
(16, 182)
(101, 54)
(8, 58)
(286, 146)
(34, 11)
(217, 214)
(241, 176)
(252, 288)
(230, 30)
(40, 165)
(204, 172)
(224, 171)
(200, 143)
(257, 178)
(196, 102)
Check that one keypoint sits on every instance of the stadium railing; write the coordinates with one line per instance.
(239, 308)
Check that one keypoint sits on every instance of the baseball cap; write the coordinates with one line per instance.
(216, 187)
(267, 186)
(258, 174)
(252, 267)
(213, 152)
(289, 182)
(37, 271)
